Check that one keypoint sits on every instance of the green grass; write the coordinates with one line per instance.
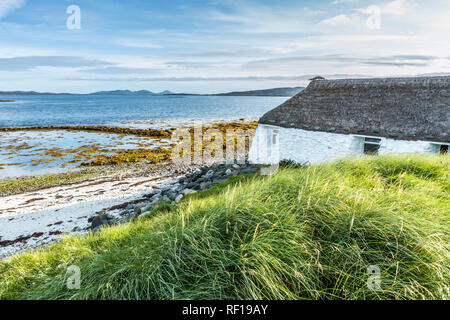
(304, 233)
(9, 187)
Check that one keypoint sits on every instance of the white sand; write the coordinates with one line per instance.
(60, 209)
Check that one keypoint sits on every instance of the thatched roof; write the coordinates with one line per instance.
(398, 108)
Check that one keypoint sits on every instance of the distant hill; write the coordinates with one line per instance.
(130, 93)
(274, 92)
(99, 93)
(29, 93)
(279, 92)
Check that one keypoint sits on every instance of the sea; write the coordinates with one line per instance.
(58, 110)
(30, 153)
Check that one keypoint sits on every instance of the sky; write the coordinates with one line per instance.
(216, 46)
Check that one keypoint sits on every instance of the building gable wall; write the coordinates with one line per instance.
(312, 147)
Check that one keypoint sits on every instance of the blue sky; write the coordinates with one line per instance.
(216, 46)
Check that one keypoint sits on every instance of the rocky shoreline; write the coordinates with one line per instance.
(36, 219)
(202, 179)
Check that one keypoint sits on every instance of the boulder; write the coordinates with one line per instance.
(145, 214)
(188, 191)
(248, 170)
(137, 210)
(157, 197)
(205, 185)
(218, 181)
(209, 174)
(102, 219)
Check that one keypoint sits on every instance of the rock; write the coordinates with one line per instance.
(147, 207)
(205, 185)
(101, 219)
(156, 198)
(228, 172)
(191, 185)
(249, 170)
(165, 189)
(188, 191)
(145, 214)
(165, 198)
(209, 174)
(219, 181)
(129, 207)
(178, 198)
(76, 229)
(236, 166)
(141, 204)
(137, 210)
(196, 174)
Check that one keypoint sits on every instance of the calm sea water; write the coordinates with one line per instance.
(106, 110)
(25, 153)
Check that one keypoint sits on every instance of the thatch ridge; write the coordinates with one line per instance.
(400, 108)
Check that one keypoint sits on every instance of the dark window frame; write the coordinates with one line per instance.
(371, 145)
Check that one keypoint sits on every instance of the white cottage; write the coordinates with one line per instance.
(332, 119)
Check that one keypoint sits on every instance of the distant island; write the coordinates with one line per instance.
(99, 93)
(130, 93)
(7, 100)
(273, 92)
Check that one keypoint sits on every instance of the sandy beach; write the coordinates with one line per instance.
(34, 218)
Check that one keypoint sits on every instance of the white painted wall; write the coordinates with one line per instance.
(310, 147)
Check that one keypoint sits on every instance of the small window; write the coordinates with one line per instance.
(444, 149)
(371, 145)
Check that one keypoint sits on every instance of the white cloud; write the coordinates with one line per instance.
(7, 6)
(250, 41)
(138, 43)
(338, 20)
(344, 1)
(396, 7)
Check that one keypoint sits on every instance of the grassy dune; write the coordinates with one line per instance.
(304, 233)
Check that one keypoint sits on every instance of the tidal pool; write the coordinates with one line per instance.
(24, 153)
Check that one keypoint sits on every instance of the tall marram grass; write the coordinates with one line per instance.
(304, 233)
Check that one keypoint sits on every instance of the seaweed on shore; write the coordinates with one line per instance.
(155, 151)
